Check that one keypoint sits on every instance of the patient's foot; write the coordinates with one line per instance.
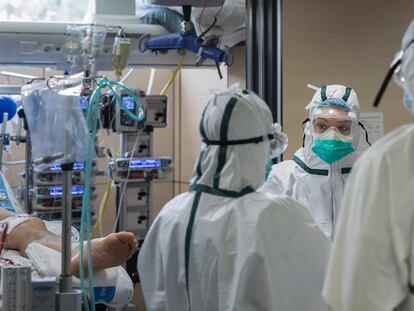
(108, 252)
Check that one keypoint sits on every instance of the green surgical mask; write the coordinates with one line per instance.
(330, 150)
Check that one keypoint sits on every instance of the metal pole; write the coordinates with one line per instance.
(250, 51)
(28, 176)
(264, 53)
(277, 12)
(67, 298)
(66, 273)
(261, 43)
(3, 137)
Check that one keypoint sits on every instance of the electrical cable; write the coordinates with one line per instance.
(201, 16)
(175, 72)
(102, 209)
(215, 18)
(124, 78)
(125, 184)
(91, 121)
(85, 216)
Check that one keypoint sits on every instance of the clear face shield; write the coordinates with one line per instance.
(403, 75)
(278, 141)
(402, 72)
(332, 129)
(333, 121)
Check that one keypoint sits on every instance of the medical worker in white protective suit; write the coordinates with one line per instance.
(222, 245)
(372, 264)
(317, 173)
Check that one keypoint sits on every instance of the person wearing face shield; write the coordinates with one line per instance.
(222, 245)
(317, 173)
(372, 261)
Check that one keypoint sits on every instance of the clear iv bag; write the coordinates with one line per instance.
(55, 119)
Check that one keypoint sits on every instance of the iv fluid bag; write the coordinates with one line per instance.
(55, 119)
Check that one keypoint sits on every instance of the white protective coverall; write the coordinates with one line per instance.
(372, 261)
(309, 180)
(223, 246)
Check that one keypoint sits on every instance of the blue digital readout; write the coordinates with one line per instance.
(84, 102)
(128, 101)
(77, 166)
(57, 191)
(145, 163)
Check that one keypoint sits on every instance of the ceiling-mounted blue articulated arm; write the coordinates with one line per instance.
(189, 42)
(204, 48)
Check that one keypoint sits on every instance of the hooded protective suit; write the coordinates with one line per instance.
(372, 261)
(223, 246)
(311, 181)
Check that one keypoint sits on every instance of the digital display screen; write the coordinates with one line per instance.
(84, 102)
(145, 163)
(128, 101)
(77, 166)
(57, 191)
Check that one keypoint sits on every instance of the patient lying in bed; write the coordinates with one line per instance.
(30, 238)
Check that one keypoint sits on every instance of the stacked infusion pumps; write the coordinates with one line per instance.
(132, 172)
(46, 191)
(137, 167)
(135, 170)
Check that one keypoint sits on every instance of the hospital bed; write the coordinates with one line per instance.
(113, 287)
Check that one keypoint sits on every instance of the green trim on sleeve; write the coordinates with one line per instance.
(221, 192)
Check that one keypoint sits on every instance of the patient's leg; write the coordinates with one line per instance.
(107, 252)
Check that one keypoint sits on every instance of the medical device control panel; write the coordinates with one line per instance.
(155, 109)
(123, 122)
(56, 191)
(52, 175)
(156, 112)
(47, 198)
(47, 187)
(140, 169)
(136, 172)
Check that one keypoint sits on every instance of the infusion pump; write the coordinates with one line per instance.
(52, 175)
(140, 169)
(47, 186)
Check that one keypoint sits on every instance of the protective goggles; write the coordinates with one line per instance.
(324, 120)
(277, 140)
(394, 70)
